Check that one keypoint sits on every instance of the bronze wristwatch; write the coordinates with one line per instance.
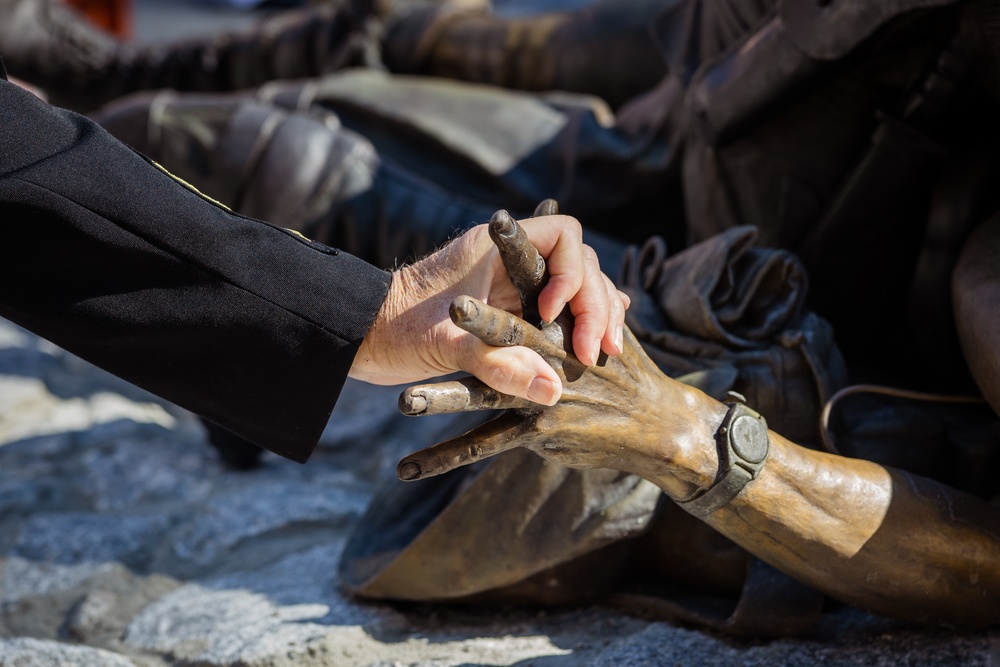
(743, 445)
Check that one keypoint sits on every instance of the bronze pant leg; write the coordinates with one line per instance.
(50, 45)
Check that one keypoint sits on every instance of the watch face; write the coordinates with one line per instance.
(748, 437)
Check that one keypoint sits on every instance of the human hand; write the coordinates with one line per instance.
(412, 338)
(623, 413)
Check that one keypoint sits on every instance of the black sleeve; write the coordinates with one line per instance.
(108, 256)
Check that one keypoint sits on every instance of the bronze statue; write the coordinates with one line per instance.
(82, 67)
(864, 141)
(883, 539)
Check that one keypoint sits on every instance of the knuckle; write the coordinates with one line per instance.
(501, 377)
(569, 226)
(617, 306)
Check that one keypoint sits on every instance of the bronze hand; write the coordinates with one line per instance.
(610, 415)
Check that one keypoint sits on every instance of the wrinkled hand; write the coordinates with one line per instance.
(623, 413)
(412, 338)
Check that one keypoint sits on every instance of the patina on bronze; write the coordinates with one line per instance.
(600, 406)
(877, 537)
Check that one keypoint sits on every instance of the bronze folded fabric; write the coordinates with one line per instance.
(515, 528)
(726, 303)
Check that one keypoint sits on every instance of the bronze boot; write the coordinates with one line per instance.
(290, 169)
(606, 49)
(50, 45)
(297, 168)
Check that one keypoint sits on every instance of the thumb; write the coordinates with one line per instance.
(516, 371)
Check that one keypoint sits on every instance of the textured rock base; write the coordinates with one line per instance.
(124, 542)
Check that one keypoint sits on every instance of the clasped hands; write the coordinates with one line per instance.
(616, 411)
(412, 338)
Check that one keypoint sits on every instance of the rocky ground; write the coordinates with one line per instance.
(124, 542)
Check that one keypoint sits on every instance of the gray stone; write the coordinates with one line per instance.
(13, 337)
(26, 652)
(226, 627)
(131, 472)
(18, 495)
(256, 506)
(37, 456)
(306, 578)
(21, 578)
(82, 537)
(94, 616)
(31, 409)
(667, 646)
(90, 603)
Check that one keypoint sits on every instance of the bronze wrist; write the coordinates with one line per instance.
(743, 445)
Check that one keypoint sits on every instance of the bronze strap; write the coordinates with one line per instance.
(743, 445)
(826, 434)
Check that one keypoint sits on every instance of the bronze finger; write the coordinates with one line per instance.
(463, 395)
(524, 264)
(498, 327)
(487, 440)
(546, 207)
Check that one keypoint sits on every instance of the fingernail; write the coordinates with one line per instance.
(462, 309)
(543, 390)
(555, 313)
(618, 338)
(503, 223)
(408, 471)
(412, 404)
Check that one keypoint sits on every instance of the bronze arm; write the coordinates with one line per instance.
(882, 539)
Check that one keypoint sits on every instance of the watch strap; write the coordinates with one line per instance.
(743, 446)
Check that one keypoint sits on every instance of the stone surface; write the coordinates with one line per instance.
(75, 537)
(663, 645)
(25, 652)
(123, 541)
